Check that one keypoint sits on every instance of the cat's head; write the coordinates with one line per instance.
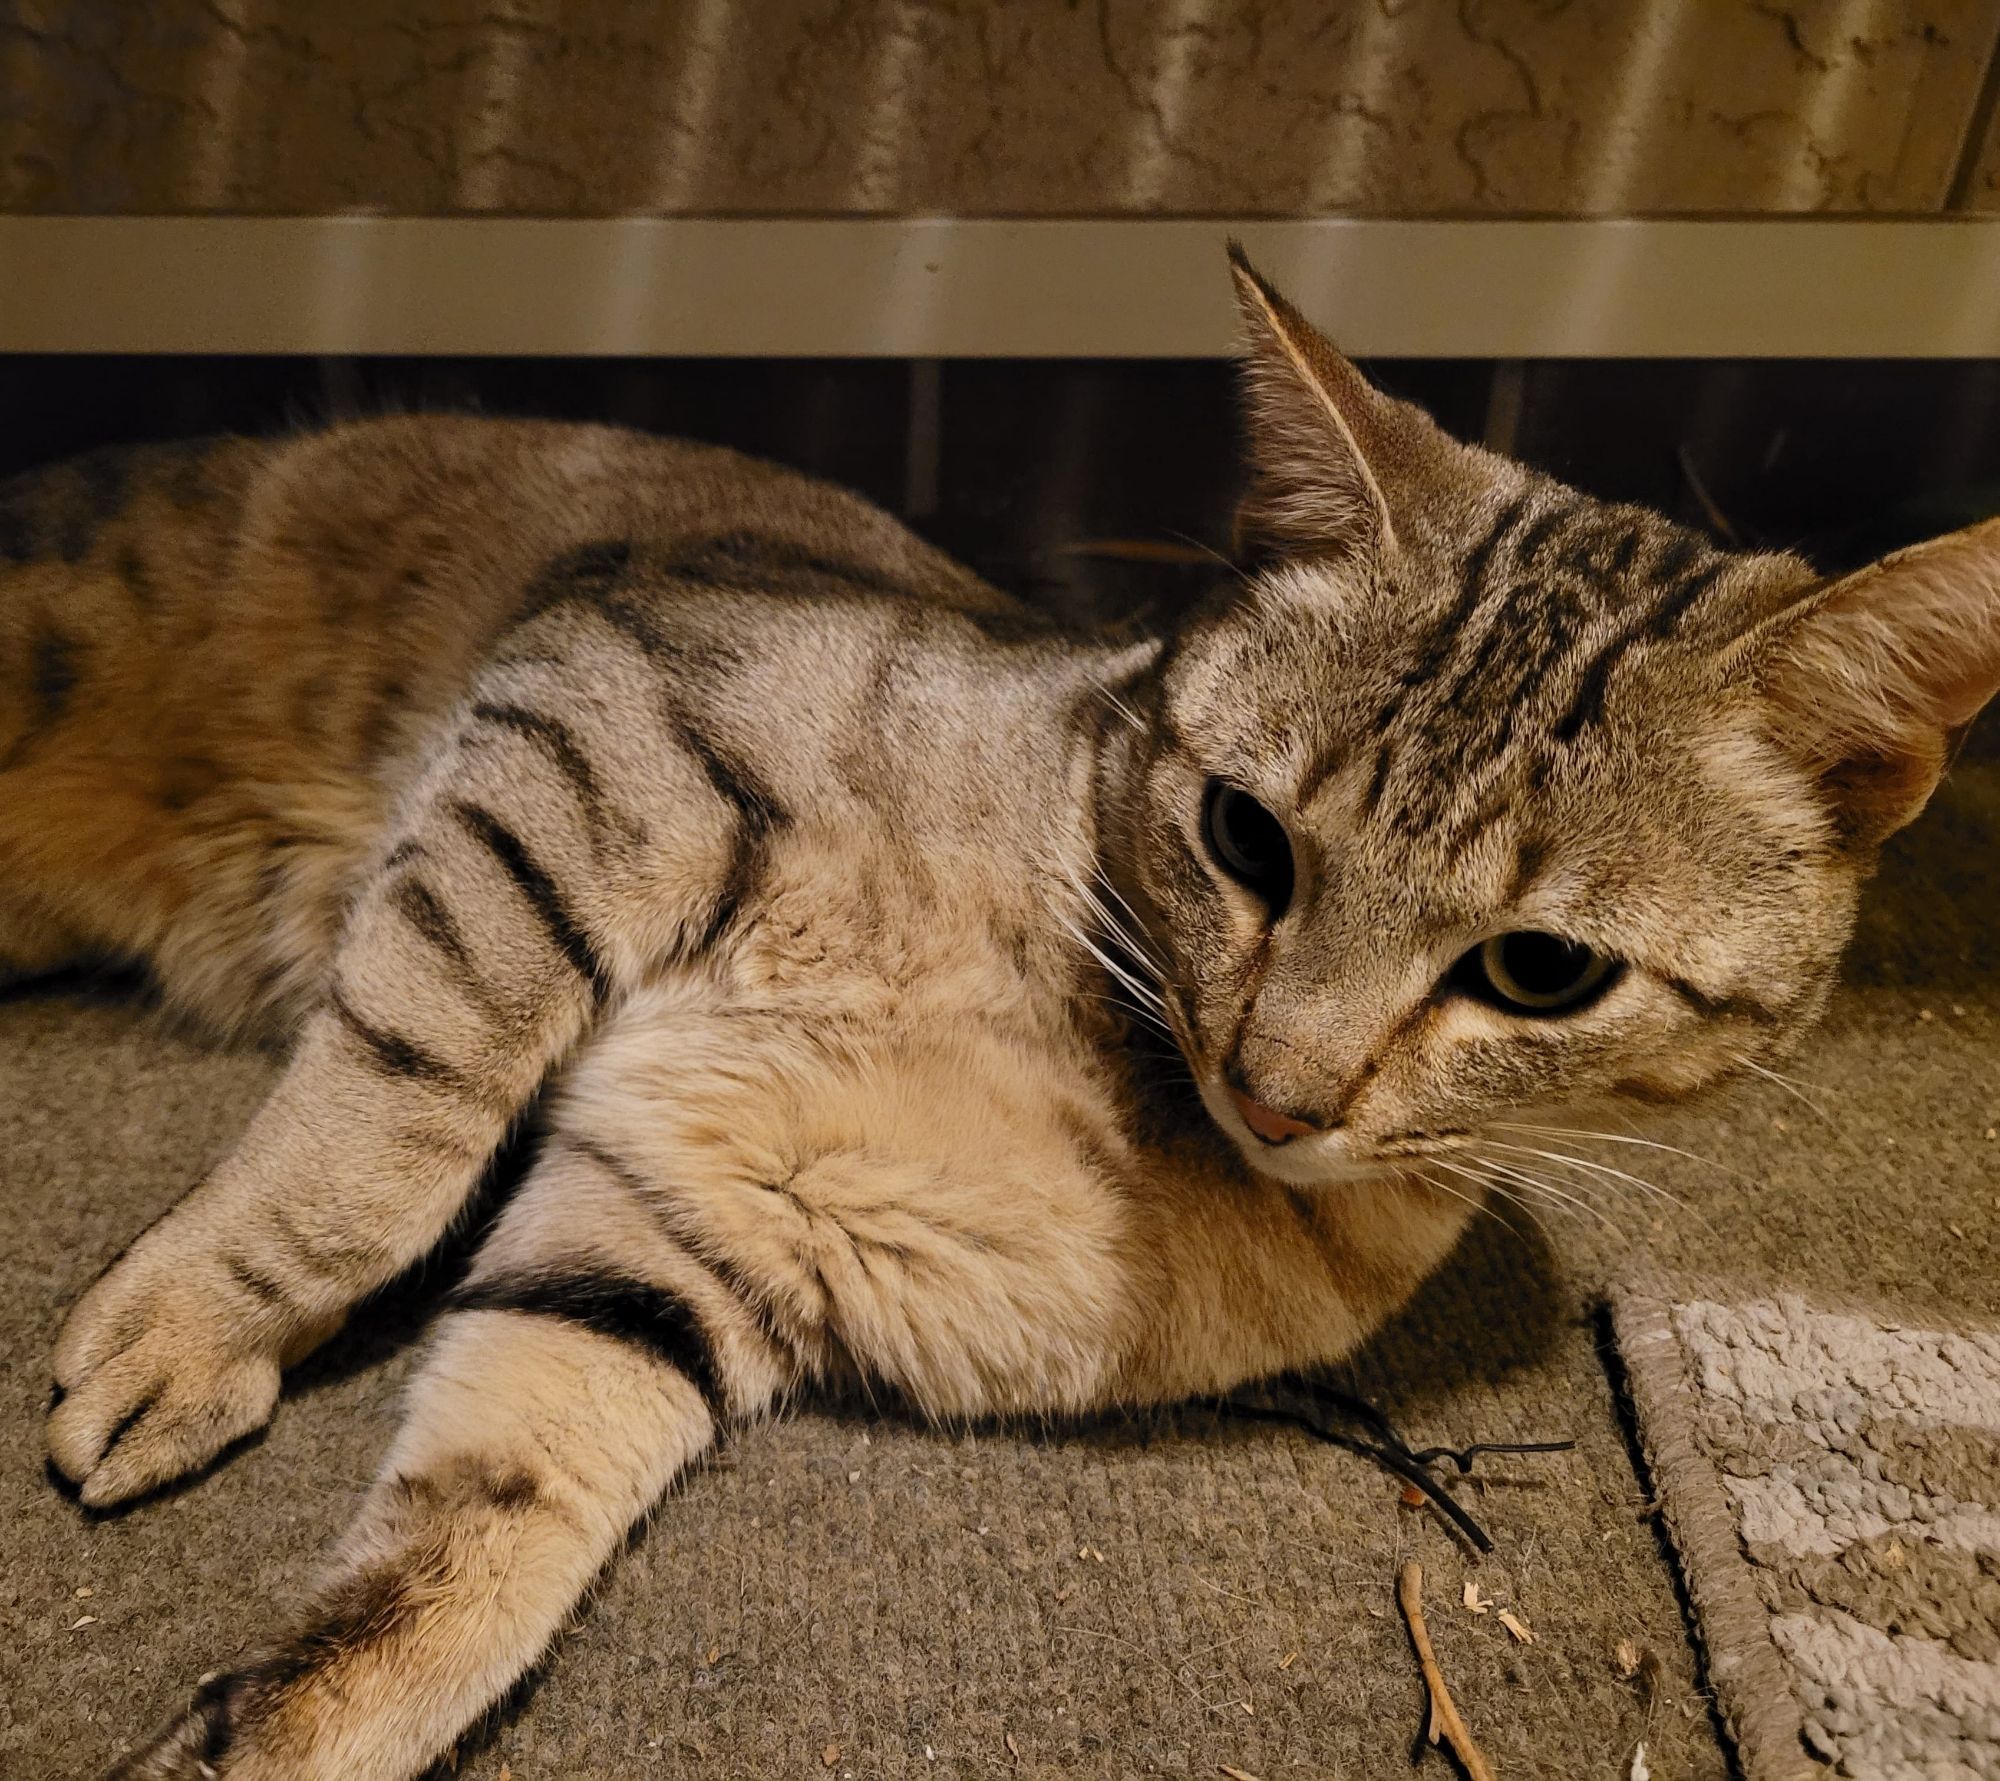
(1485, 798)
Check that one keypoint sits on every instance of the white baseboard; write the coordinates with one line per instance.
(980, 288)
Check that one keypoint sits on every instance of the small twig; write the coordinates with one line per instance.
(1443, 1713)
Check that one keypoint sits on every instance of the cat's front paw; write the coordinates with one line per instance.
(162, 1364)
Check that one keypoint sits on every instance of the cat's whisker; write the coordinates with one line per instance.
(1104, 878)
(1540, 1185)
(1124, 710)
(1126, 936)
(1489, 1184)
(1126, 1006)
(1235, 568)
(1152, 1022)
(1141, 954)
(1590, 1134)
(1147, 996)
(1681, 1207)
(1444, 1187)
(1595, 1168)
(1794, 1089)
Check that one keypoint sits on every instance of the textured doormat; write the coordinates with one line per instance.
(1831, 1482)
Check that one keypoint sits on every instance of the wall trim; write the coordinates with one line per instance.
(992, 288)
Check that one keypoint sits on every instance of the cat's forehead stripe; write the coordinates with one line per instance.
(1444, 635)
(1653, 625)
(1542, 610)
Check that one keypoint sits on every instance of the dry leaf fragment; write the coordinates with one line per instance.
(82, 1621)
(1248, 1708)
(84, 1592)
(1473, 1599)
(1625, 1660)
(1013, 1749)
(1649, 1676)
(830, 1755)
(712, 1656)
(1233, 1772)
(1515, 1625)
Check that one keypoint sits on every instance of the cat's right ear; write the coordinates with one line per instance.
(1314, 422)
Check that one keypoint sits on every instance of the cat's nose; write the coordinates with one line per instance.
(1267, 1122)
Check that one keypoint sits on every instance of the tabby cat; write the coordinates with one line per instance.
(910, 991)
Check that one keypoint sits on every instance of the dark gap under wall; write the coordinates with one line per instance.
(1034, 458)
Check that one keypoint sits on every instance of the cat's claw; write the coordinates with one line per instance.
(156, 1374)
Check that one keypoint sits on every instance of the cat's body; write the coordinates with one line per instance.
(829, 901)
(854, 1091)
(224, 660)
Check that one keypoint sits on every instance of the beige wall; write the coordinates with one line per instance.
(1982, 190)
(991, 106)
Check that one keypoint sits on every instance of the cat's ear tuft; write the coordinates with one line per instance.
(1310, 416)
(1883, 671)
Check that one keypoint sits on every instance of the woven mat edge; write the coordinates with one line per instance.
(1752, 1685)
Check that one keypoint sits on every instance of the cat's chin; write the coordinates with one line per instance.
(1304, 1163)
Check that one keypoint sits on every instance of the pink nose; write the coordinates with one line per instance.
(1269, 1124)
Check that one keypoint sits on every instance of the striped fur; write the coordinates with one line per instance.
(837, 915)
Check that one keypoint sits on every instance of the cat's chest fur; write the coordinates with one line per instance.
(898, 1089)
(877, 1090)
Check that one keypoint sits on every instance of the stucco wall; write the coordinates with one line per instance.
(983, 107)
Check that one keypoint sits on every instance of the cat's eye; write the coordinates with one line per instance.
(1248, 843)
(1535, 973)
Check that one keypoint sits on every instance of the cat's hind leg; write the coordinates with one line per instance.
(589, 1360)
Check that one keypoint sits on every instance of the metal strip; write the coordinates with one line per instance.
(955, 288)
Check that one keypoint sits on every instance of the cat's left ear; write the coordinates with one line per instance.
(1879, 675)
(1315, 427)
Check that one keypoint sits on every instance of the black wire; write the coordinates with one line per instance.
(1462, 1457)
(1388, 1449)
(1402, 1464)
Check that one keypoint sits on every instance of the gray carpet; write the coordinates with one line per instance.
(899, 1602)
